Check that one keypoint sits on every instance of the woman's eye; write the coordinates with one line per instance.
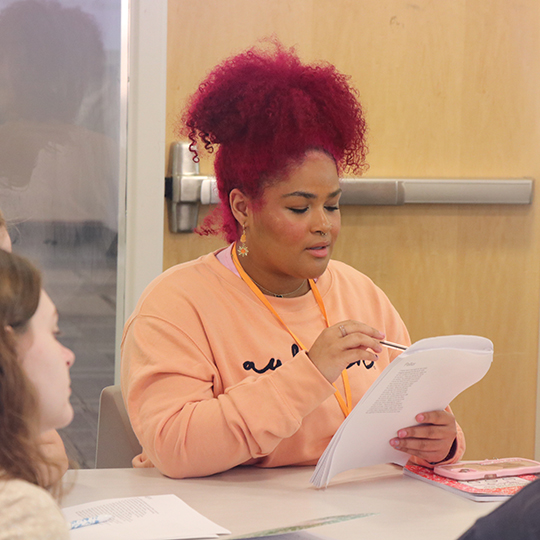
(298, 210)
(332, 208)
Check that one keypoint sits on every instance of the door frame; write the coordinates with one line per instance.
(142, 154)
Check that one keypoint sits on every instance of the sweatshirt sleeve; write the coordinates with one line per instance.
(187, 425)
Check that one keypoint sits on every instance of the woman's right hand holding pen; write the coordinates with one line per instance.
(343, 344)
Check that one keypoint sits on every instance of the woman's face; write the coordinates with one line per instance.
(46, 363)
(291, 236)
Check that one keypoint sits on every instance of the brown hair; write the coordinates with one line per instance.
(20, 454)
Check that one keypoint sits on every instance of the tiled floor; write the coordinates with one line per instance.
(79, 271)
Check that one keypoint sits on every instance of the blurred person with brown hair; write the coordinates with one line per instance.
(34, 399)
(52, 445)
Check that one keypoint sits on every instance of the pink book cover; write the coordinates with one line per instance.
(478, 490)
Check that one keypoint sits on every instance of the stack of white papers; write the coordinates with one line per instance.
(158, 517)
(426, 377)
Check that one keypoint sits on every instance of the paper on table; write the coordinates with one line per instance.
(157, 517)
(426, 377)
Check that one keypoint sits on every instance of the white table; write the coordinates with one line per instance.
(248, 499)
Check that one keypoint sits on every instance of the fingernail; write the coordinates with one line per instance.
(394, 442)
(420, 418)
(402, 433)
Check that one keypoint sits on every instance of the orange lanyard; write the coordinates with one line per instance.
(346, 406)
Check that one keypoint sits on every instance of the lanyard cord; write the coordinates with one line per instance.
(346, 406)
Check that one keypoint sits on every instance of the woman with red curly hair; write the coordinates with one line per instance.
(241, 357)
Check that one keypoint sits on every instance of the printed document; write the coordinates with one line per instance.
(426, 377)
(157, 517)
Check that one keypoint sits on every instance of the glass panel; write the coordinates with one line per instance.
(59, 160)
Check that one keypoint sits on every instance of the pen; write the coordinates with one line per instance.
(94, 520)
(391, 345)
(387, 344)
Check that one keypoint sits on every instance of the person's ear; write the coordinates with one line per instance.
(240, 206)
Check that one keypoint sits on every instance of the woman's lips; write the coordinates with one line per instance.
(319, 251)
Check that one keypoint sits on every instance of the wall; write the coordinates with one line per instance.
(450, 90)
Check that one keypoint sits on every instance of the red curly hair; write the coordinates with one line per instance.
(264, 109)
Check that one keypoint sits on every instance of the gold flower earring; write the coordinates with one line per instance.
(242, 249)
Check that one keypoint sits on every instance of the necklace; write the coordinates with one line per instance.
(346, 406)
(284, 295)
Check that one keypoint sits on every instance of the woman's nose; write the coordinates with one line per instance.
(322, 224)
(70, 357)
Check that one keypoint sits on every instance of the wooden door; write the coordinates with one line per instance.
(451, 89)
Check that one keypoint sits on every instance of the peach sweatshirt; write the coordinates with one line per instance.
(212, 380)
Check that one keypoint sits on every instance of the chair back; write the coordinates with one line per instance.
(117, 444)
